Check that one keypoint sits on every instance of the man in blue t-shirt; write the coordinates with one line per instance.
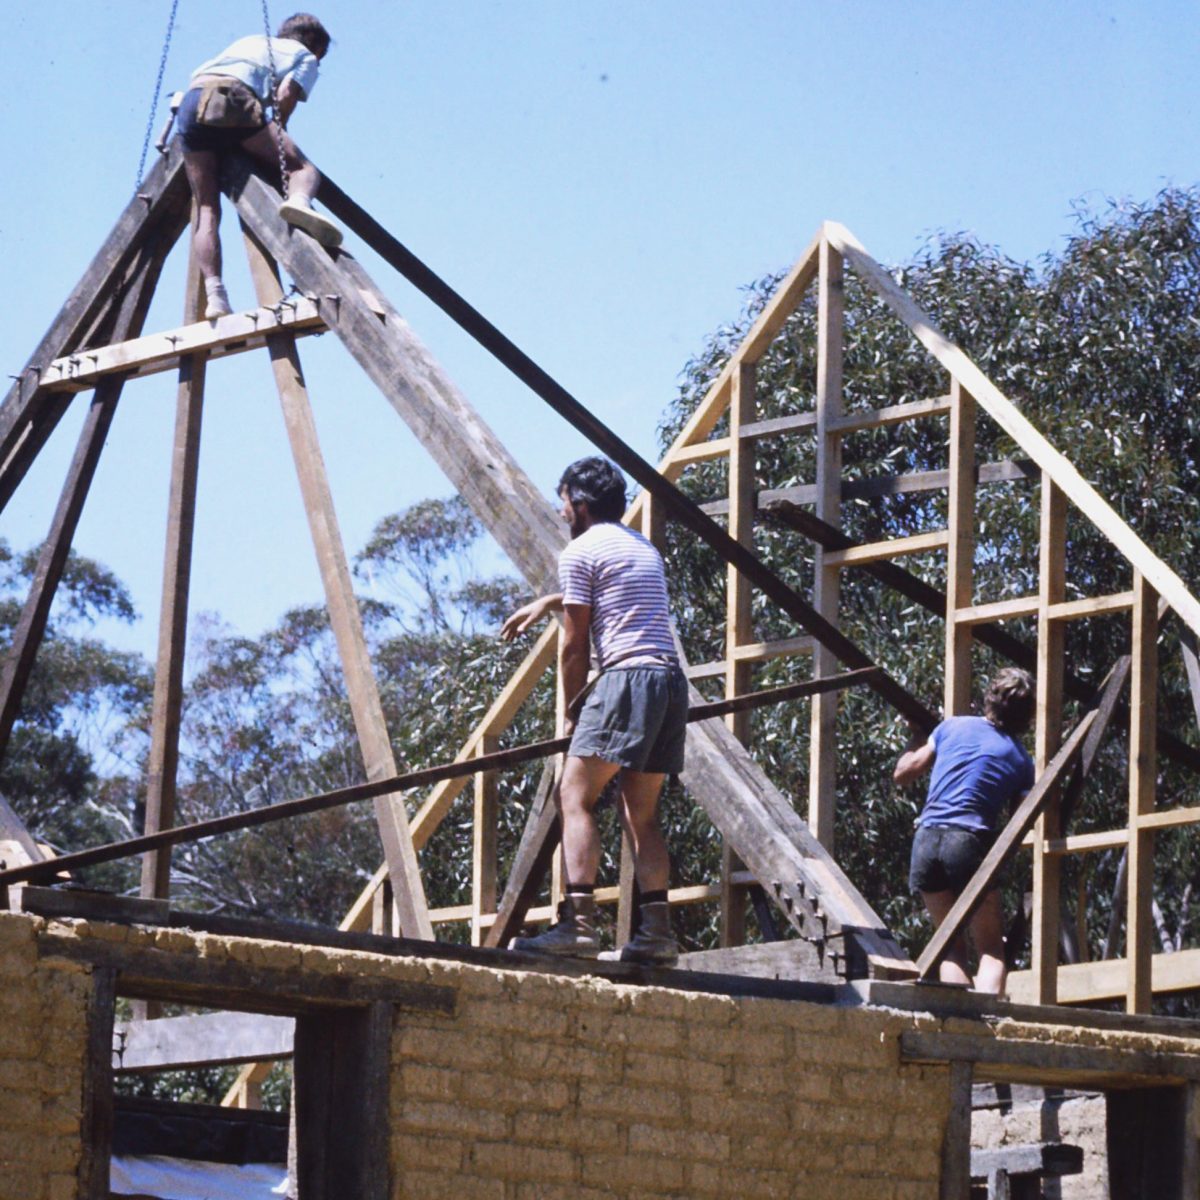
(980, 769)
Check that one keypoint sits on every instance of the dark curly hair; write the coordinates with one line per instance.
(596, 482)
(308, 31)
(1008, 702)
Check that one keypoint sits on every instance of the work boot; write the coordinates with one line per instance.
(216, 299)
(299, 213)
(573, 935)
(653, 944)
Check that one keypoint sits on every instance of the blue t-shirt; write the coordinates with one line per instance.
(977, 771)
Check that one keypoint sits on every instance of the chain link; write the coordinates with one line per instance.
(283, 171)
(162, 67)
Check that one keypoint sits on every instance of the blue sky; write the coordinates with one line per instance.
(600, 179)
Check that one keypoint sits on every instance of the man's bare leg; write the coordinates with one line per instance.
(574, 933)
(583, 780)
(639, 816)
(303, 182)
(952, 968)
(987, 932)
(203, 173)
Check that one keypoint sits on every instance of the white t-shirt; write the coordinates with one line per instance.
(620, 574)
(247, 60)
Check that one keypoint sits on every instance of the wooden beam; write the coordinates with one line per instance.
(739, 622)
(1047, 869)
(310, 269)
(167, 704)
(1143, 706)
(483, 844)
(157, 352)
(893, 414)
(960, 556)
(362, 689)
(472, 457)
(200, 1040)
(1078, 1061)
(1169, 818)
(1106, 980)
(229, 984)
(700, 713)
(156, 216)
(96, 1102)
(917, 543)
(31, 625)
(774, 426)
(997, 610)
(822, 757)
(1092, 606)
(1106, 708)
(1005, 846)
(700, 452)
(538, 842)
(1006, 414)
(885, 485)
(955, 1182)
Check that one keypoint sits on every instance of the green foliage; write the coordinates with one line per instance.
(80, 735)
(1100, 347)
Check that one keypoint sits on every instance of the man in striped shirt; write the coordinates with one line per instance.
(629, 722)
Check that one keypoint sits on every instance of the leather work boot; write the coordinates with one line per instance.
(653, 944)
(297, 213)
(573, 935)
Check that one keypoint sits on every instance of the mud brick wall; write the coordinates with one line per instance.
(517, 1085)
(558, 1089)
(43, 1034)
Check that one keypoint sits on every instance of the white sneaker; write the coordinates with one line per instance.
(217, 303)
(312, 222)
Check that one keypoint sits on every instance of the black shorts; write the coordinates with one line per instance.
(206, 137)
(945, 857)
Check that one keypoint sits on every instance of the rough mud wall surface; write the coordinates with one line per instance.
(43, 1034)
(531, 1086)
(582, 1090)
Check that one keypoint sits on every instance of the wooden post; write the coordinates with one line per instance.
(955, 1181)
(96, 1119)
(960, 557)
(361, 687)
(739, 624)
(167, 707)
(483, 844)
(826, 582)
(1139, 923)
(1047, 869)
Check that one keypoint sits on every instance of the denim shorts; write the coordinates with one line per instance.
(205, 137)
(637, 717)
(945, 857)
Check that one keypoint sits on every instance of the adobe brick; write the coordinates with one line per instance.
(454, 1119)
(509, 1161)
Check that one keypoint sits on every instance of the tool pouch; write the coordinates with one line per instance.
(228, 104)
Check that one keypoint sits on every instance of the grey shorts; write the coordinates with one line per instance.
(945, 857)
(637, 717)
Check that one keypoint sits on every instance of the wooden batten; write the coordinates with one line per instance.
(1047, 871)
(361, 686)
(960, 551)
(167, 704)
(822, 768)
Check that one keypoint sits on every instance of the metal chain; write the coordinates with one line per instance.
(283, 171)
(162, 67)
